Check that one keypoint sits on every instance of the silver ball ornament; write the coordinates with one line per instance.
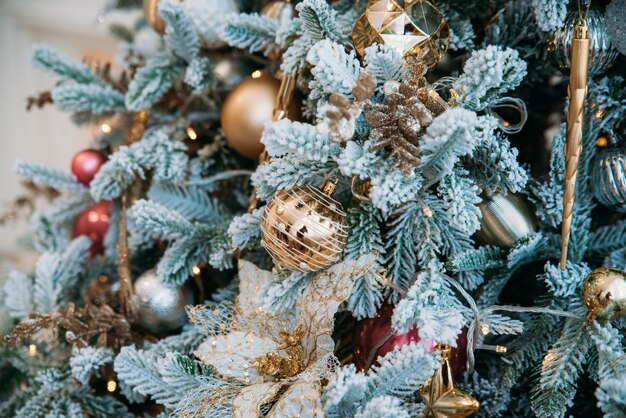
(602, 53)
(608, 178)
(160, 308)
(505, 220)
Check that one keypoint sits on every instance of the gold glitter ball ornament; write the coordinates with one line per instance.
(604, 293)
(408, 26)
(304, 228)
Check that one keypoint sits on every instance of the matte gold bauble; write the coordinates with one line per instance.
(408, 26)
(604, 293)
(304, 228)
(151, 13)
(245, 112)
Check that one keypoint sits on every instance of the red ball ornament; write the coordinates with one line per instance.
(86, 164)
(458, 356)
(94, 223)
(371, 331)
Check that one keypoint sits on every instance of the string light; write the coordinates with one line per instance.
(257, 74)
(602, 142)
(600, 113)
(501, 349)
(192, 134)
(485, 329)
(195, 270)
(111, 385)
(106, 128)
(32, 350)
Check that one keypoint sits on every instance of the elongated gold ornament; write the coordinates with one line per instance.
(577, 92)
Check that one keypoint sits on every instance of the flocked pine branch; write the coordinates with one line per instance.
(153, 80)
(94, 98)
(156, 151)
(487, 74)
(180, 33)
(550, 14)
(50, 60)
(252, 32)
(45, 176)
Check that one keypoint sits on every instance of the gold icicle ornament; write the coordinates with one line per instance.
(441, 398)
(577, 92)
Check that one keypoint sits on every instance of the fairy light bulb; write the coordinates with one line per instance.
(192, 134)
(195, 270)
(485, 329)
(111, 386)
(106, 128)
(257, 74)
(32, 350)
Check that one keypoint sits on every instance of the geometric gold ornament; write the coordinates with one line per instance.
(408, 26)
(304, 229)
(441, 398)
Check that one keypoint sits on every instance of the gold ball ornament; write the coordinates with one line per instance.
(604, 293)
(245, 112)
(408, 26)
(304, 229)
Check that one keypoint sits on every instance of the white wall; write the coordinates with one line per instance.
(41, 136)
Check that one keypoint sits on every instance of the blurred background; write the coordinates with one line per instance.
(77, 28)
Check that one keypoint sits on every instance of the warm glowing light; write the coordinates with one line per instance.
(602, 142)
(192, 134)
(32, 350)
(500, 349)
(600, 113)
(111, 385)
(103, 279)
(195, 270)
(485, 329)
(106, 128)
(257, 74)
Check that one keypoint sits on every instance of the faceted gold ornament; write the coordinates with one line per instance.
(304, 228)
(441, 398)
(604, 293)
(409, 26)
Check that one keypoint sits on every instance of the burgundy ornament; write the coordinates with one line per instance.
(86, 164)
(371, 331)
(458, 355)
(94, 223)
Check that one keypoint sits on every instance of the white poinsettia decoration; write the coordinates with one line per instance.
(282, 358)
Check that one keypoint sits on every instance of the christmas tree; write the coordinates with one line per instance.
(382, 208)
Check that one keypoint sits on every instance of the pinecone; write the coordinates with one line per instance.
(398, 124)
